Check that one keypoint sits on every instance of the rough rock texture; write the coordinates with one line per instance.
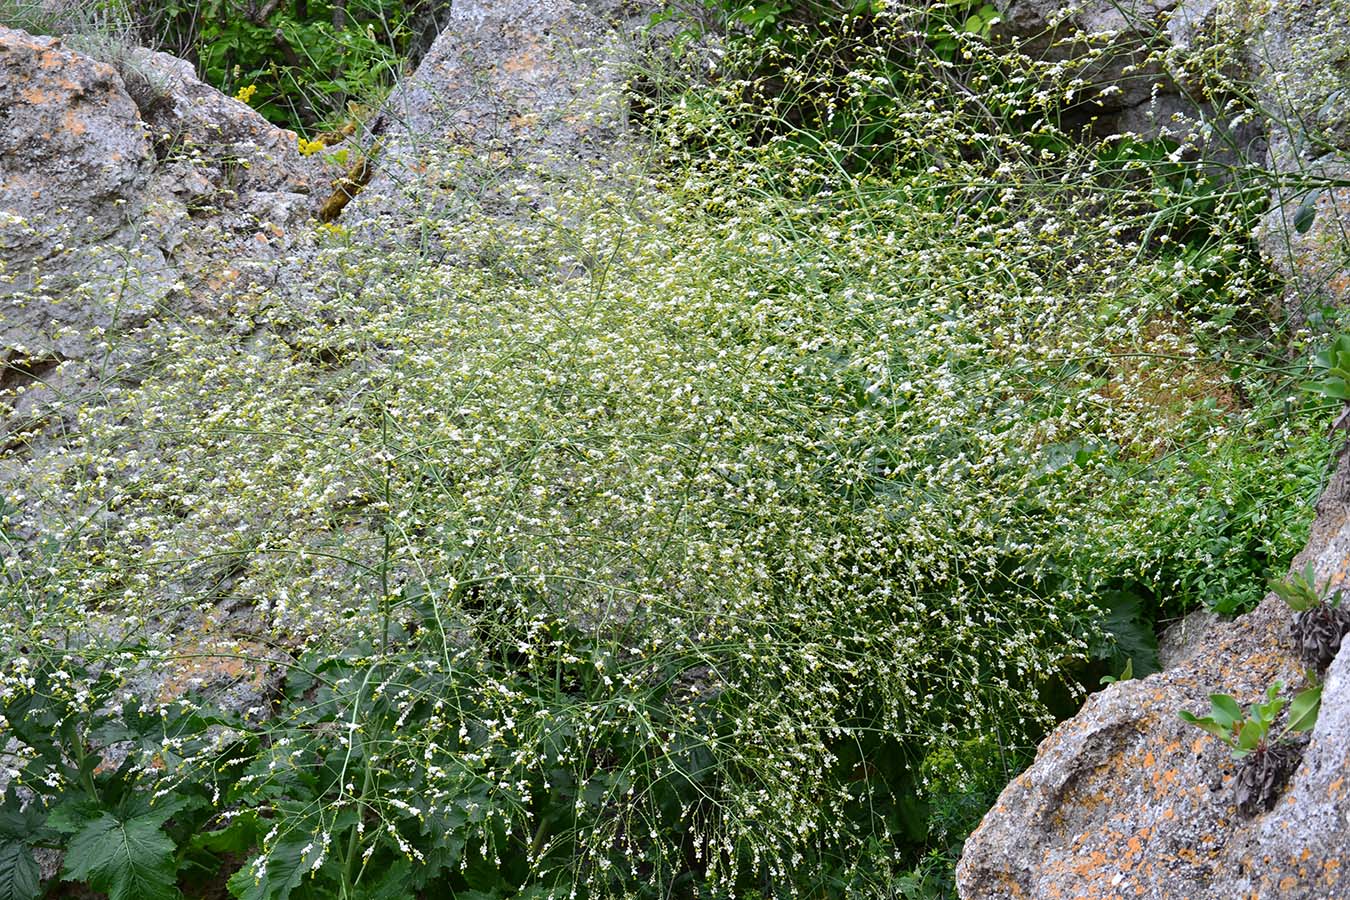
(514, 100)
(1291, 55)
(217, 150)
(515, 84)
(1303, 82)
(73, 151)
(1126, 800)
(1121, 84)
(121, 186)
(130, 194)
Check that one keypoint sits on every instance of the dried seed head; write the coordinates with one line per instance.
(1262, 775)
(1317, 633)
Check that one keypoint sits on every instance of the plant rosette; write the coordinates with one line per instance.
(1321, 619)
(1265, 761)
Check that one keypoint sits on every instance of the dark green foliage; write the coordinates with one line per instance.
(117, 837)
(1332, 369)
(123, 853)
(1132, 643)
(307, 58)
(21, 827)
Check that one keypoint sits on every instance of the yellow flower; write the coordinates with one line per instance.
(308, 148)
(246, 93)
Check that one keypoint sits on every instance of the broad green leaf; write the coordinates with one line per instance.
(129, 859)
(1253, 732)
(1224, 709)
(1208, 725)
(20, 877)
(284, 865)
(1268, 712)
(1133, 636)
(73, 814)
(1335, 388)
(18, 822)
(1306, 213)
(392, 883)
(239, 835)
(1304, 709)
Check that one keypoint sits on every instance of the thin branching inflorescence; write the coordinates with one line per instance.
(714, 525)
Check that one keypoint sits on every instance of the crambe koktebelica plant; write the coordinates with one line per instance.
(732, 521)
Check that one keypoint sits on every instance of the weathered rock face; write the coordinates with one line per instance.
(1303, 83)
(525, 93)
(529, 83)
(120, 185)
(217, 150)
(1124, 81)
(75, 159)
(1126, 800)
(1139, 76)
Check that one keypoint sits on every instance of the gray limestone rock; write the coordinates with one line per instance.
(507, 87)
(1116, 56)
(75, 159)
(216, 148)
(122, 185)
(1301, 53)
(1127, 800)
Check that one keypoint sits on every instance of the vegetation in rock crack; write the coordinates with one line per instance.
(728, 522)
(1266, 760)
(1321, 620)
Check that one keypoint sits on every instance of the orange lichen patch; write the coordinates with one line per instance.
(73, 123)
(1166, 781)
(526, 60)
(1011, 885)
(34, 95)
(226, 277)
(1331, 870)
(203, 663)
(1339, 286)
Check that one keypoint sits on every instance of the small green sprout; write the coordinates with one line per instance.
(1250, 733)
(1125, 675)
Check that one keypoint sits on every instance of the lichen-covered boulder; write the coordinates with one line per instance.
(509, 86)
(1126, 800)
(76, 164)
(217, 151)
(75, 158)
(123, 184)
